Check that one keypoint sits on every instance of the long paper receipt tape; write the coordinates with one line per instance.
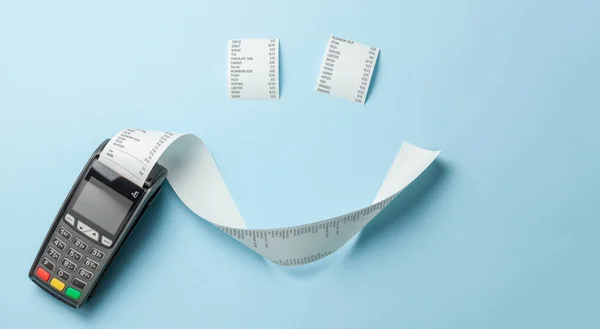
(195, 178)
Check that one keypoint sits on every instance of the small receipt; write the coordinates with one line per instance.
(253, 69)
(347, 69)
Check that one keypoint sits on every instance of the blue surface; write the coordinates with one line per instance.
(504, 236)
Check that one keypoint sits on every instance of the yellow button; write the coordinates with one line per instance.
(57, 284)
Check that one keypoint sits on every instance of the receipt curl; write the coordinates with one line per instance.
(196, 180)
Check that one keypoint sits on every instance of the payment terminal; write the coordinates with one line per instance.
(96, 218)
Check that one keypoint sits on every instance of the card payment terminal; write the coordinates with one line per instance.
(94, 221)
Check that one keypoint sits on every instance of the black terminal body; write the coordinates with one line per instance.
(95, 220)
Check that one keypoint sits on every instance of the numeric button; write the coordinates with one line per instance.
(80, 244)
(58, 243)
(85, 273)
(53, 253)
(97, 253)
(63, 274)
(91, 264)
(74, 254)
(69, 264)
(66, 234)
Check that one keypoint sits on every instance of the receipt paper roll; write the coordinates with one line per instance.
(196, 180)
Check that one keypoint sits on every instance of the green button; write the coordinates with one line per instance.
(73, 293)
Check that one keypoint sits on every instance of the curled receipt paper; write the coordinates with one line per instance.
(195, 178)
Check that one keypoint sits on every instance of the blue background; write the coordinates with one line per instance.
(504, 233)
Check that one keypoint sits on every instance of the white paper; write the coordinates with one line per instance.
(253, 71)
(197, 181)
(347, 69)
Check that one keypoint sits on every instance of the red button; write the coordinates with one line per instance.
(42, 274)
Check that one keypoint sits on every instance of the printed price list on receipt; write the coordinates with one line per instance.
(253, 68)
(347, 69)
